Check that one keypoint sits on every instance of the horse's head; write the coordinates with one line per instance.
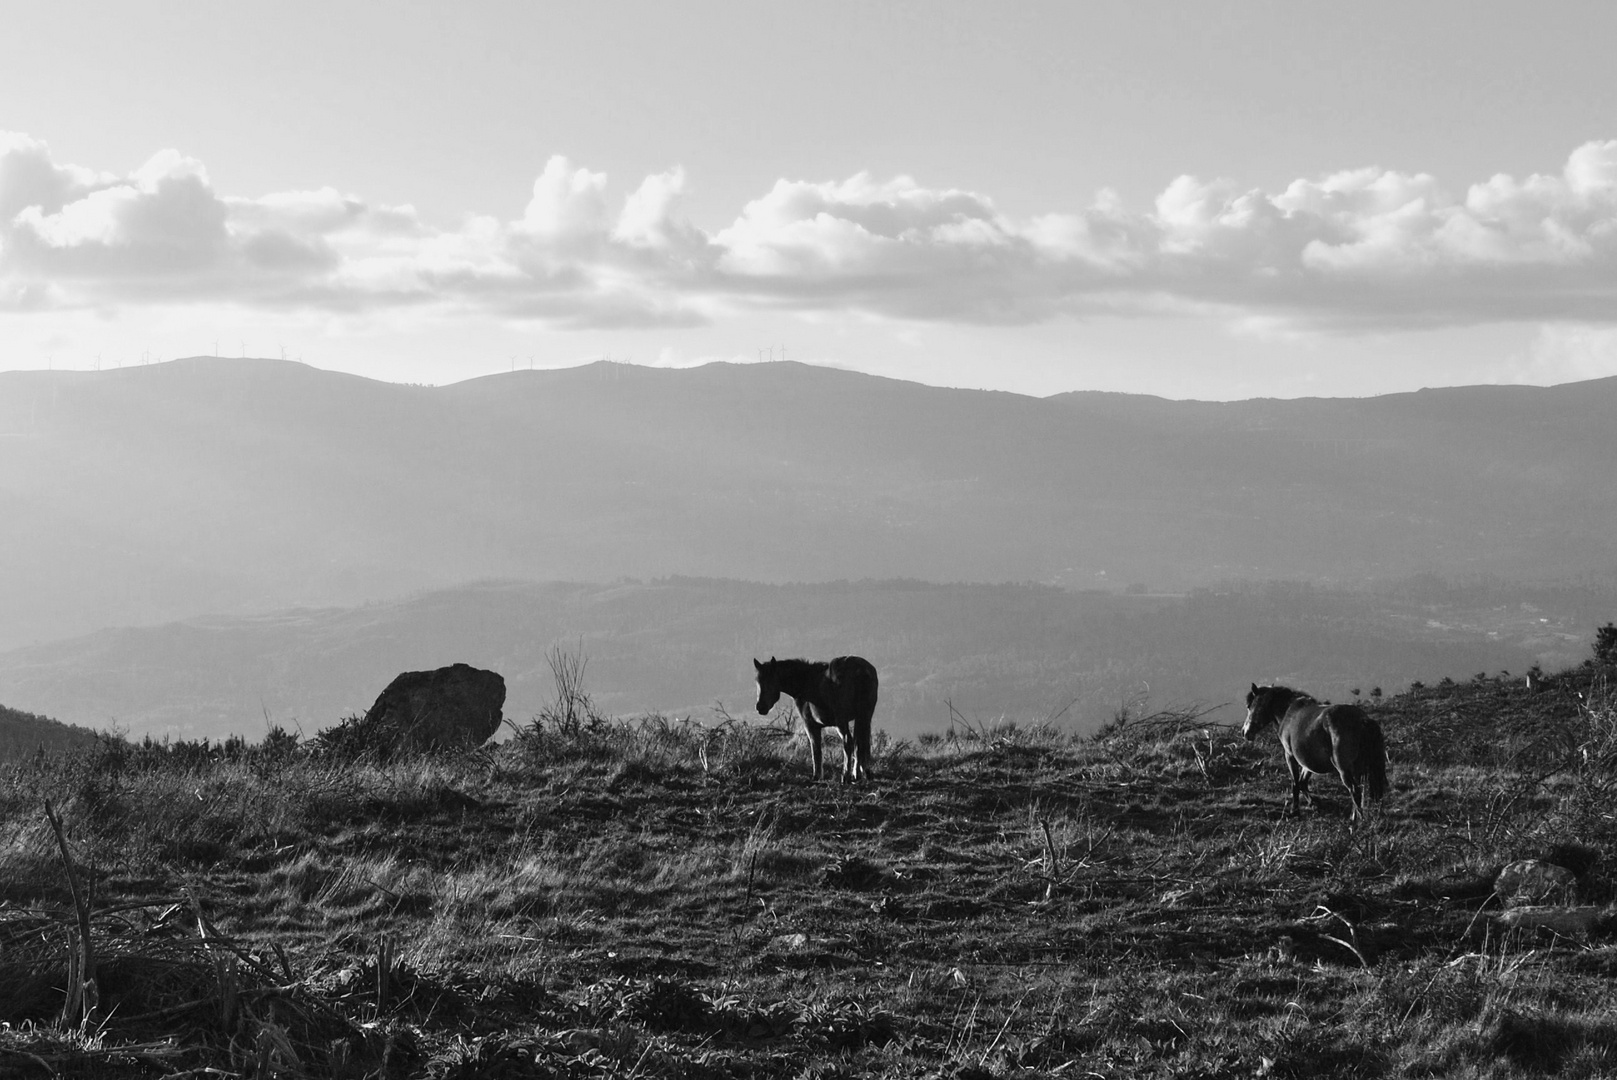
(1259, 710)
(768, 688)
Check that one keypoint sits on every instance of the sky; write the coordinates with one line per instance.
(1207, 201)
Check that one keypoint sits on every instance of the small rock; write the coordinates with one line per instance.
(579, 1040)
(1531, 882)
(1571, 921)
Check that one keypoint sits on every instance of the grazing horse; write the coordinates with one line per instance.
(838, 693)
(1321, 738)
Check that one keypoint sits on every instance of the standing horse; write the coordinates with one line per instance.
(839, 693)
(1321, 738)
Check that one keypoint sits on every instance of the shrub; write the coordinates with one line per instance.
(1606, 645)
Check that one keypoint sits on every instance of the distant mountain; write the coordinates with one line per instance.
(148, 494)
(23, 734)
(678, 646)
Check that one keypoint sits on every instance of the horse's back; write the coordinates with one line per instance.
(1348, 721)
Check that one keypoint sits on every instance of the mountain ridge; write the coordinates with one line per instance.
(144, 495)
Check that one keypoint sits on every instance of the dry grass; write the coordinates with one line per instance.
(668, 898)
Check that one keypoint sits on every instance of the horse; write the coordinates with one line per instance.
(1321, 738)
(839, 693)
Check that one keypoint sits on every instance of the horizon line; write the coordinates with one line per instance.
(844, 368)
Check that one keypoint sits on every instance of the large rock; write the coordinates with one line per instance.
(446, 709)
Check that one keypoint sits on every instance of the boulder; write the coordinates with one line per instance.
(448, 708)
(1533, 882)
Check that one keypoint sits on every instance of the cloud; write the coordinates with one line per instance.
(159, 234)
(1360, 249)
(899, 249)
(567, 203)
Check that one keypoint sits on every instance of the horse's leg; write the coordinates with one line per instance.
(861, 738)
(1297, 775)
(850, 754)
(1349, 779)
(1355, 793)
(817, 749)
(814, 729)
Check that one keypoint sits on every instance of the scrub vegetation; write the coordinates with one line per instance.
(668, 897)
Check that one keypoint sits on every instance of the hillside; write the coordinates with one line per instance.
(23, 734)
(1023, 652)
(145, 495)
(672, 900)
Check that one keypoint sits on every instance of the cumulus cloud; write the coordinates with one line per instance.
(161, 233)
(567, 203)
(1363, 248)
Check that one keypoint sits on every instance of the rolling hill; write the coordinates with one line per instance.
(23, 734)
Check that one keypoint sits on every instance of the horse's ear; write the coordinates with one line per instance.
(771, 658)
(756, 664)
(1254, 692)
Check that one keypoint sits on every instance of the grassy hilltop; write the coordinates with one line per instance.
(595, 899)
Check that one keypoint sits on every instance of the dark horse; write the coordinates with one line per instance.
(839, 693)
(1321, 738)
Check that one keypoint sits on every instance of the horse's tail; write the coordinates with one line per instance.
(1375, 763)
(864, 684)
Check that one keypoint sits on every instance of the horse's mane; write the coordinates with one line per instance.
(1289, 694)
(1276, 701)
(791, 671)
(790, 663)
